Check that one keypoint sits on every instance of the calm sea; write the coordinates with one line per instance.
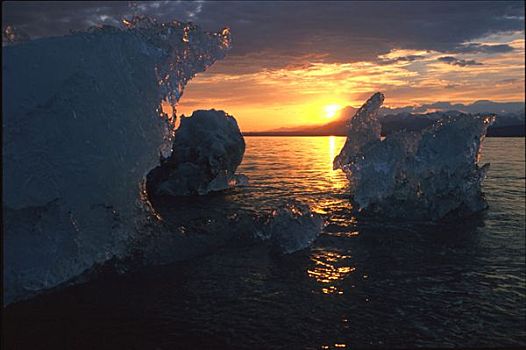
(361, 284)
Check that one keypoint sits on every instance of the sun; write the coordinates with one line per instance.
(330, 110)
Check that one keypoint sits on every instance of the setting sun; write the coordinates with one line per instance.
(330, 110)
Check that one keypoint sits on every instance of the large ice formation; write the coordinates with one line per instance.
(208, 147)
(426, 175)
(81, 130)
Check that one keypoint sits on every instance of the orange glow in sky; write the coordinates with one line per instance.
(312, 94)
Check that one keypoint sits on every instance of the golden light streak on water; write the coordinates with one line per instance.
(330, 269)
(332, 149)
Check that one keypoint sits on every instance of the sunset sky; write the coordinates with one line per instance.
(296, 63)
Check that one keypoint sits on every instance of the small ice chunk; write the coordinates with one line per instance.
(12, 35)
(291, 227)
(208, 147)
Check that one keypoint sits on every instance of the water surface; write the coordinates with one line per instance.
(362, 283)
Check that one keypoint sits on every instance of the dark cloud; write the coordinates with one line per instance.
(327, 31)
(481, 48)
(457, 62)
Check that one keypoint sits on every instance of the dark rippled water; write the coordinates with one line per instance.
(362, 284)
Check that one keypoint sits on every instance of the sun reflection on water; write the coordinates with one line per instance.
(330, 269)
(335, 177)
(332, 148)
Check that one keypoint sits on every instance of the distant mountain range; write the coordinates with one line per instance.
(481, 106)
(510, 119)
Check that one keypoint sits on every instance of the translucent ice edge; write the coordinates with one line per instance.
(432, 174)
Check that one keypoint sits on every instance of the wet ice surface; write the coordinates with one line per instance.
(208, 147)
(81, 129)
(362, 283)
(431, 174)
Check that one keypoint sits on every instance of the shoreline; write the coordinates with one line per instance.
(300, 134)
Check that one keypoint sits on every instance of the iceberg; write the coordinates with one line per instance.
(84, 133)
(208, 147)
(432, 174)
(82, 129)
